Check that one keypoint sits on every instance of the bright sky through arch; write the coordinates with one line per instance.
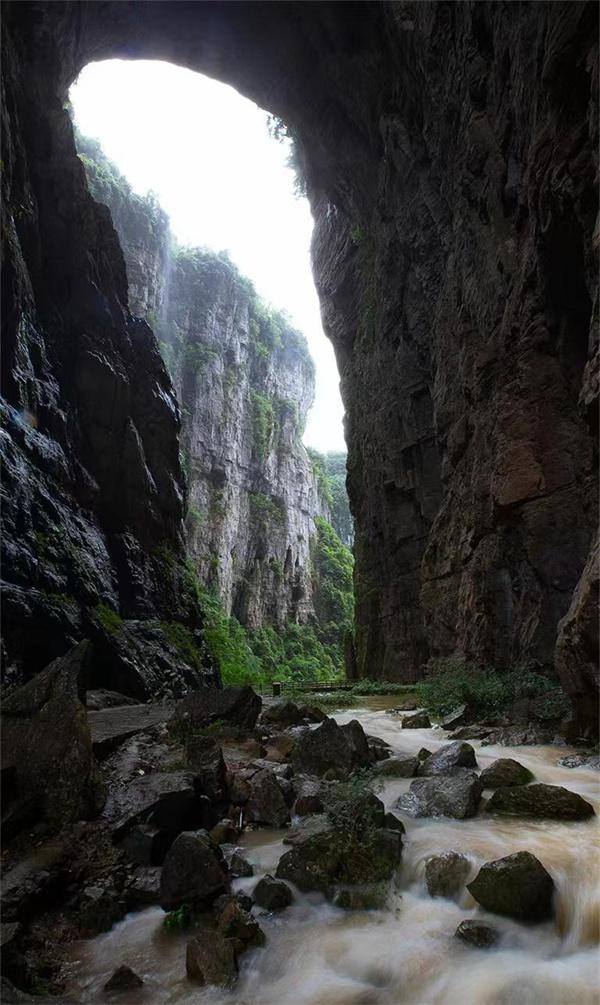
(206, 152)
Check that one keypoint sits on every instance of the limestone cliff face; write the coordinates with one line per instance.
(450, 154)
(244, 381)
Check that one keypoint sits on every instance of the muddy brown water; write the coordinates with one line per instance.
(406, 955)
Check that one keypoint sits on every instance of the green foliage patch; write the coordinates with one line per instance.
(455, 681)
(110, 619)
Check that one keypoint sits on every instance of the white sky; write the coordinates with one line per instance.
(206, 152)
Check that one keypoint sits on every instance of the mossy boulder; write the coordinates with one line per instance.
(543, 802)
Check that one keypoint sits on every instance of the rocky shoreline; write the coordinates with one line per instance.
(145, 805)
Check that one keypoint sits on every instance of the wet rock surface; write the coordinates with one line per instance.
(543, 802)
(476, 934)
(211, 959)
(455, 796)
(446, 875)
(517, 886)
(330, 747)
(193, 872)
(420, 720)
(504, 773)
(448, 759)
(272, 894)
(123, 979)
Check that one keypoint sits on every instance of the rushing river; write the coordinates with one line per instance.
(317, 954)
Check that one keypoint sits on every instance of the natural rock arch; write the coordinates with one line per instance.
(446, 148)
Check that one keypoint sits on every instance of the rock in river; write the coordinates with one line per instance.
(544, 802)
(455, 796)
(192, 872)
(476, 934)
(420, 720)
(272, 894)
(446, 875)
(517, 886)
(505, 773)
(332, 747)
(448, 758)
(327, 857)
(210, 959)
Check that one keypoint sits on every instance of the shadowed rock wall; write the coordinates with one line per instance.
(450, 156)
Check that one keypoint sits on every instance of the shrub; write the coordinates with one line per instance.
(455, 681)
(110, 619)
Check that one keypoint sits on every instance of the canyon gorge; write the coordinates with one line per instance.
(170, 547)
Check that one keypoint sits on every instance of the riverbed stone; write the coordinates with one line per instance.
(505, 773)
(517, 886)
(308, 797)
(328, 857)
(266, 803)
(446, 875)
(543, 802)
(205, 757)
(397, 767)
(272, 894)
(234, 922)
(332, 748)
(193, 872)
(366, 897)
(448, 758)
(459, 716)
(456, 796)
(476, 934)
(123, 979)
(239, 867)
(312, 713)
(282, 713)
(471, 733)
(419, 720)
(210, 959)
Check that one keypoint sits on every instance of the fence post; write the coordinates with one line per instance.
(276, 689)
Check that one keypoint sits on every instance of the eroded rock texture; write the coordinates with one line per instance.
(450, 153)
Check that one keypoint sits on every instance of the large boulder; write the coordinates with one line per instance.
(282, 713)
(505, 773)
(210, 773)
(455, 796)
(419, 720)
(272, 894)
(446, 875)
(308, 797)
(236, 706)
(46, 739)
(235, 922)
(193, 872)
(398, 767)
(210, 959)
(517, 886)
(459, 716)
(266, 803)
(326, 857)
(448, 758)
(330, 747)
(544, 802)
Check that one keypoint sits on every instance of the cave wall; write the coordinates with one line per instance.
(450, 153)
